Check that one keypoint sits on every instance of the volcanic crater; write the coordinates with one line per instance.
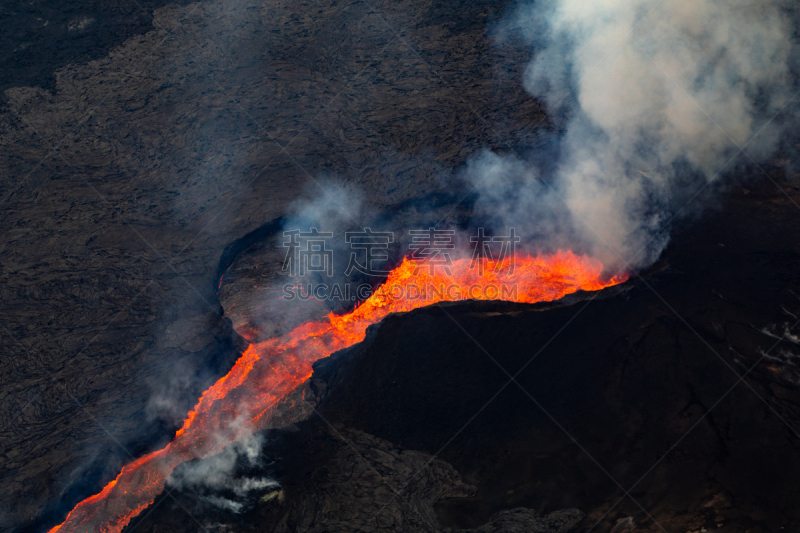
(422, 428)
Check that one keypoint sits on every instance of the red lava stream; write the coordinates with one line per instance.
(239, 402)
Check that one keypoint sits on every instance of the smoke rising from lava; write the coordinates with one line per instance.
(218, 473)
(655, 99)
(330, 204)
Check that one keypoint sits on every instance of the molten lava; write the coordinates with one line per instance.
(240, 402)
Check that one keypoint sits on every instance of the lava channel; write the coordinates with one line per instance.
(241, 401)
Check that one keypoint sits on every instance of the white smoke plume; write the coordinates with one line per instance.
(328, 204)
(218, 473)
(655, 98)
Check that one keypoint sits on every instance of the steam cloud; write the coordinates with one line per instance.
(327, 203)
(218, 474)
(655, 98)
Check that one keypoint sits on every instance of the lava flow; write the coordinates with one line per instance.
(240, 402)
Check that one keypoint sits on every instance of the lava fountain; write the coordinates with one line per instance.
(241, 401)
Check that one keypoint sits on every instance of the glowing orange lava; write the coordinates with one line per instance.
(239, 402)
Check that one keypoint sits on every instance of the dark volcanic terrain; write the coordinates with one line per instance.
(127, 175)
(636, 388)
(141, 141)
